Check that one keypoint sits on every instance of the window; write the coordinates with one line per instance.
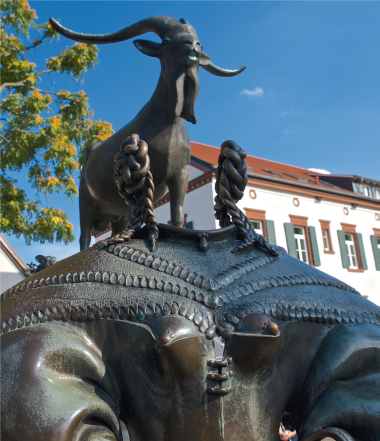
(261, 225)
(299, 178)
(272, 172)
(352, 248)
(300, 238)
(375, 241)
(258, 226)
(349, 239)
(257, 218)
(367, 191)
(326, 237)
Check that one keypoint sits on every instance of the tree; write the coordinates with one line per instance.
(48, 141)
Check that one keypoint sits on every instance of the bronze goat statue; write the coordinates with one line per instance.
(160, 123)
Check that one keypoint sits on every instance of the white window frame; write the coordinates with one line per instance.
(300, 238)
(352, 255)
(367, 191)
(326, 239)
(258, 230)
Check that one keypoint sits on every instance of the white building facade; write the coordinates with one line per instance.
(335, 229)
(12, 267)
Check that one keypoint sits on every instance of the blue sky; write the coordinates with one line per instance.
(310, 95)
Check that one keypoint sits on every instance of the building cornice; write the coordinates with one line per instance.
(12, 255)
(287, 186)
(312, 190)
(198, 182)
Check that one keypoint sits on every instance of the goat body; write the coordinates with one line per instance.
(169, 151)
(160, 123)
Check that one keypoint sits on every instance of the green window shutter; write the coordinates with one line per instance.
(376, 252)
(359, 237)
(289, 233)
(343, 249)
(314, 246)
(271, 232)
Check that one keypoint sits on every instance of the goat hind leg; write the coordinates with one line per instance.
(177, 190)
(87, 215)
(86, 225)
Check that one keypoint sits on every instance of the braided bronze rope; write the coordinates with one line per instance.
(135, 183)
(231, 180)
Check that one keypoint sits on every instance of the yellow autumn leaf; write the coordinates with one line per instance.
(56, 122)
(37, 94)
(53, 181)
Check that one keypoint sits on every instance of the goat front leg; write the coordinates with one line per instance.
(177, 190)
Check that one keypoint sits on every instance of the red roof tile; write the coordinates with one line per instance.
(264, 167)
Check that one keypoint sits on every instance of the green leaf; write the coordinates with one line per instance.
(45, 132)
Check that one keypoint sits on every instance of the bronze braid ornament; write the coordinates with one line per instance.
(135, 183)
(231, 180)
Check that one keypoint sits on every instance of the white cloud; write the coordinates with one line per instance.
(291, 112)
(253, 93)
(320, 170)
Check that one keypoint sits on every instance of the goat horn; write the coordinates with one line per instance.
(222, 72)
(210, 67)
(159, 25)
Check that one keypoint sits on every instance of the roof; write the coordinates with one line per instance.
(265, 167)
(360, 179)
(11, 253)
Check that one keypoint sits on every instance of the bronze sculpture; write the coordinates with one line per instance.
(123, 334)
(185, 334)
(44, 262)
(160, 123)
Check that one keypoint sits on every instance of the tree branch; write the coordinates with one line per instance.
(4, 85)
(35, 44)
(43, 72)
(56, 94)
(22, 83)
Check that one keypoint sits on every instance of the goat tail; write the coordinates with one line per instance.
(135, 183)
(231, 180)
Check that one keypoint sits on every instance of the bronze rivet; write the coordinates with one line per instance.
(273, 328)
(165, 338)
(229, 359)
(231, 373)
(227, 334)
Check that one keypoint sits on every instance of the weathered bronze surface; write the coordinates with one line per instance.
(44, 262)
(135, 183)
(160, 123)
(126, 334)
(231, 179)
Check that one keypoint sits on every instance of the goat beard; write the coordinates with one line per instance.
(185, 92)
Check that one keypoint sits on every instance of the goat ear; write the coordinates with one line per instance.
(147, 47)
(204, 59)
